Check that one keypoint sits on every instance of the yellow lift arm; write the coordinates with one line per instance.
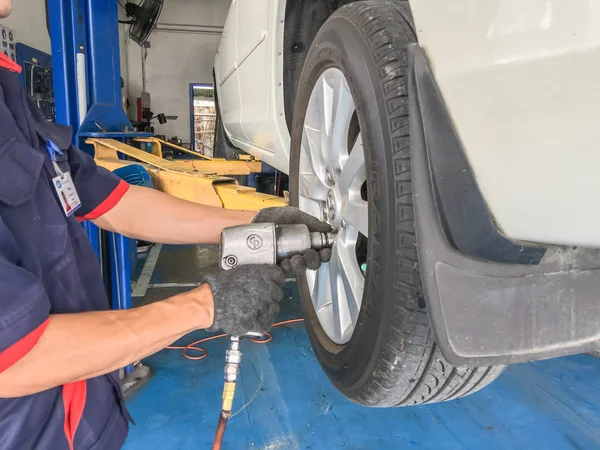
(199, 186)
(217, 165)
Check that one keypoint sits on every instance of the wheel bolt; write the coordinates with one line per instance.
(343, 224)
(330, 179)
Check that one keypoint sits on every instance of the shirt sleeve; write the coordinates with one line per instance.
(24, 312)
(99, 189)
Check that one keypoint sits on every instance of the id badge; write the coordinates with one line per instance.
(67, 194)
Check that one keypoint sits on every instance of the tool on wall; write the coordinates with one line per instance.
(8, 42)
(36, 77)
(258, 243)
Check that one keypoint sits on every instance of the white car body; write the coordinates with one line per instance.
(521, 83)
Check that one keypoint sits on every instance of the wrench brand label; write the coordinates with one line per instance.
(254, 242)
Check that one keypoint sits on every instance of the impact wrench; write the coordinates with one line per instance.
(266, 244)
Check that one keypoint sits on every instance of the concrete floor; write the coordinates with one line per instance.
(287, 402)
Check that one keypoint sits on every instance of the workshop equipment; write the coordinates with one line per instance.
(233, 359)
(267, 243)
(220, 166)
(8, 42)
(203, 187)
(36, 77)
(263, 244)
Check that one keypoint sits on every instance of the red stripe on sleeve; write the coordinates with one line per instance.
(9, 64)
(74, 395)
(20, 348)
(109, 202)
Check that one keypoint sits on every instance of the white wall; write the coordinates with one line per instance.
(28, 19)
(175, 60)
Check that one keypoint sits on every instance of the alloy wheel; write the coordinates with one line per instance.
(332, 185)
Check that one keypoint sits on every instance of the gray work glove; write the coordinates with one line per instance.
(288, 215)
(246, 298)
(311, 260)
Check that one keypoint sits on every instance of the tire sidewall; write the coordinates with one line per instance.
(339, 44)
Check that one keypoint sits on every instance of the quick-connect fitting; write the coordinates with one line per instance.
(233, 359)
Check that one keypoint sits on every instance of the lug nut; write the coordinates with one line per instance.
(330, 205)
(330, 179)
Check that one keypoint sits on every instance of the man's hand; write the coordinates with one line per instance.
(311, 260)
(288, 215)
(246, 298)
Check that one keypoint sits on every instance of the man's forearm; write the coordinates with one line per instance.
(154, 216)
(85, 345)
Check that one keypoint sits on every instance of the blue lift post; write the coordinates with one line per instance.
(90, 28)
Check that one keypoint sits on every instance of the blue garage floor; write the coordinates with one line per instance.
(288, 403)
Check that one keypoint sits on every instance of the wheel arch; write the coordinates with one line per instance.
(303, 21)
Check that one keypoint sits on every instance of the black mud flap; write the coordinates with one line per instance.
(491, 300)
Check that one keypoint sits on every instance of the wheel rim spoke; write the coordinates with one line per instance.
(311, 143)
(310, 186)
(344, 109)
(355, 209)
(325, 113)
(342, 319)
(322, 291)
(350, 274)
(353, 172)
(356, 213)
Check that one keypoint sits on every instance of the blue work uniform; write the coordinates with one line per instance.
(47, 266)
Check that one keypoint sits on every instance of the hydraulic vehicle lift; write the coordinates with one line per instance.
(195, 160)
(202, 182)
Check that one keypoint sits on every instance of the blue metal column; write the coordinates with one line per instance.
(121, 276)
(67, 37)
(104, 72)
(104, 69)
(91, 27)
(121, 290)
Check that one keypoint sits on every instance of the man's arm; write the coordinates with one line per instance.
(154, 216)
(80, 346)
(84, 345)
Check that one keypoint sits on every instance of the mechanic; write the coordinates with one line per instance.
(60, 346)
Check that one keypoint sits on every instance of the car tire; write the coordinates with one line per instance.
(391, 358)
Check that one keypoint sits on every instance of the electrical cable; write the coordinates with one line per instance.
(127, 22)
(204, 353)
